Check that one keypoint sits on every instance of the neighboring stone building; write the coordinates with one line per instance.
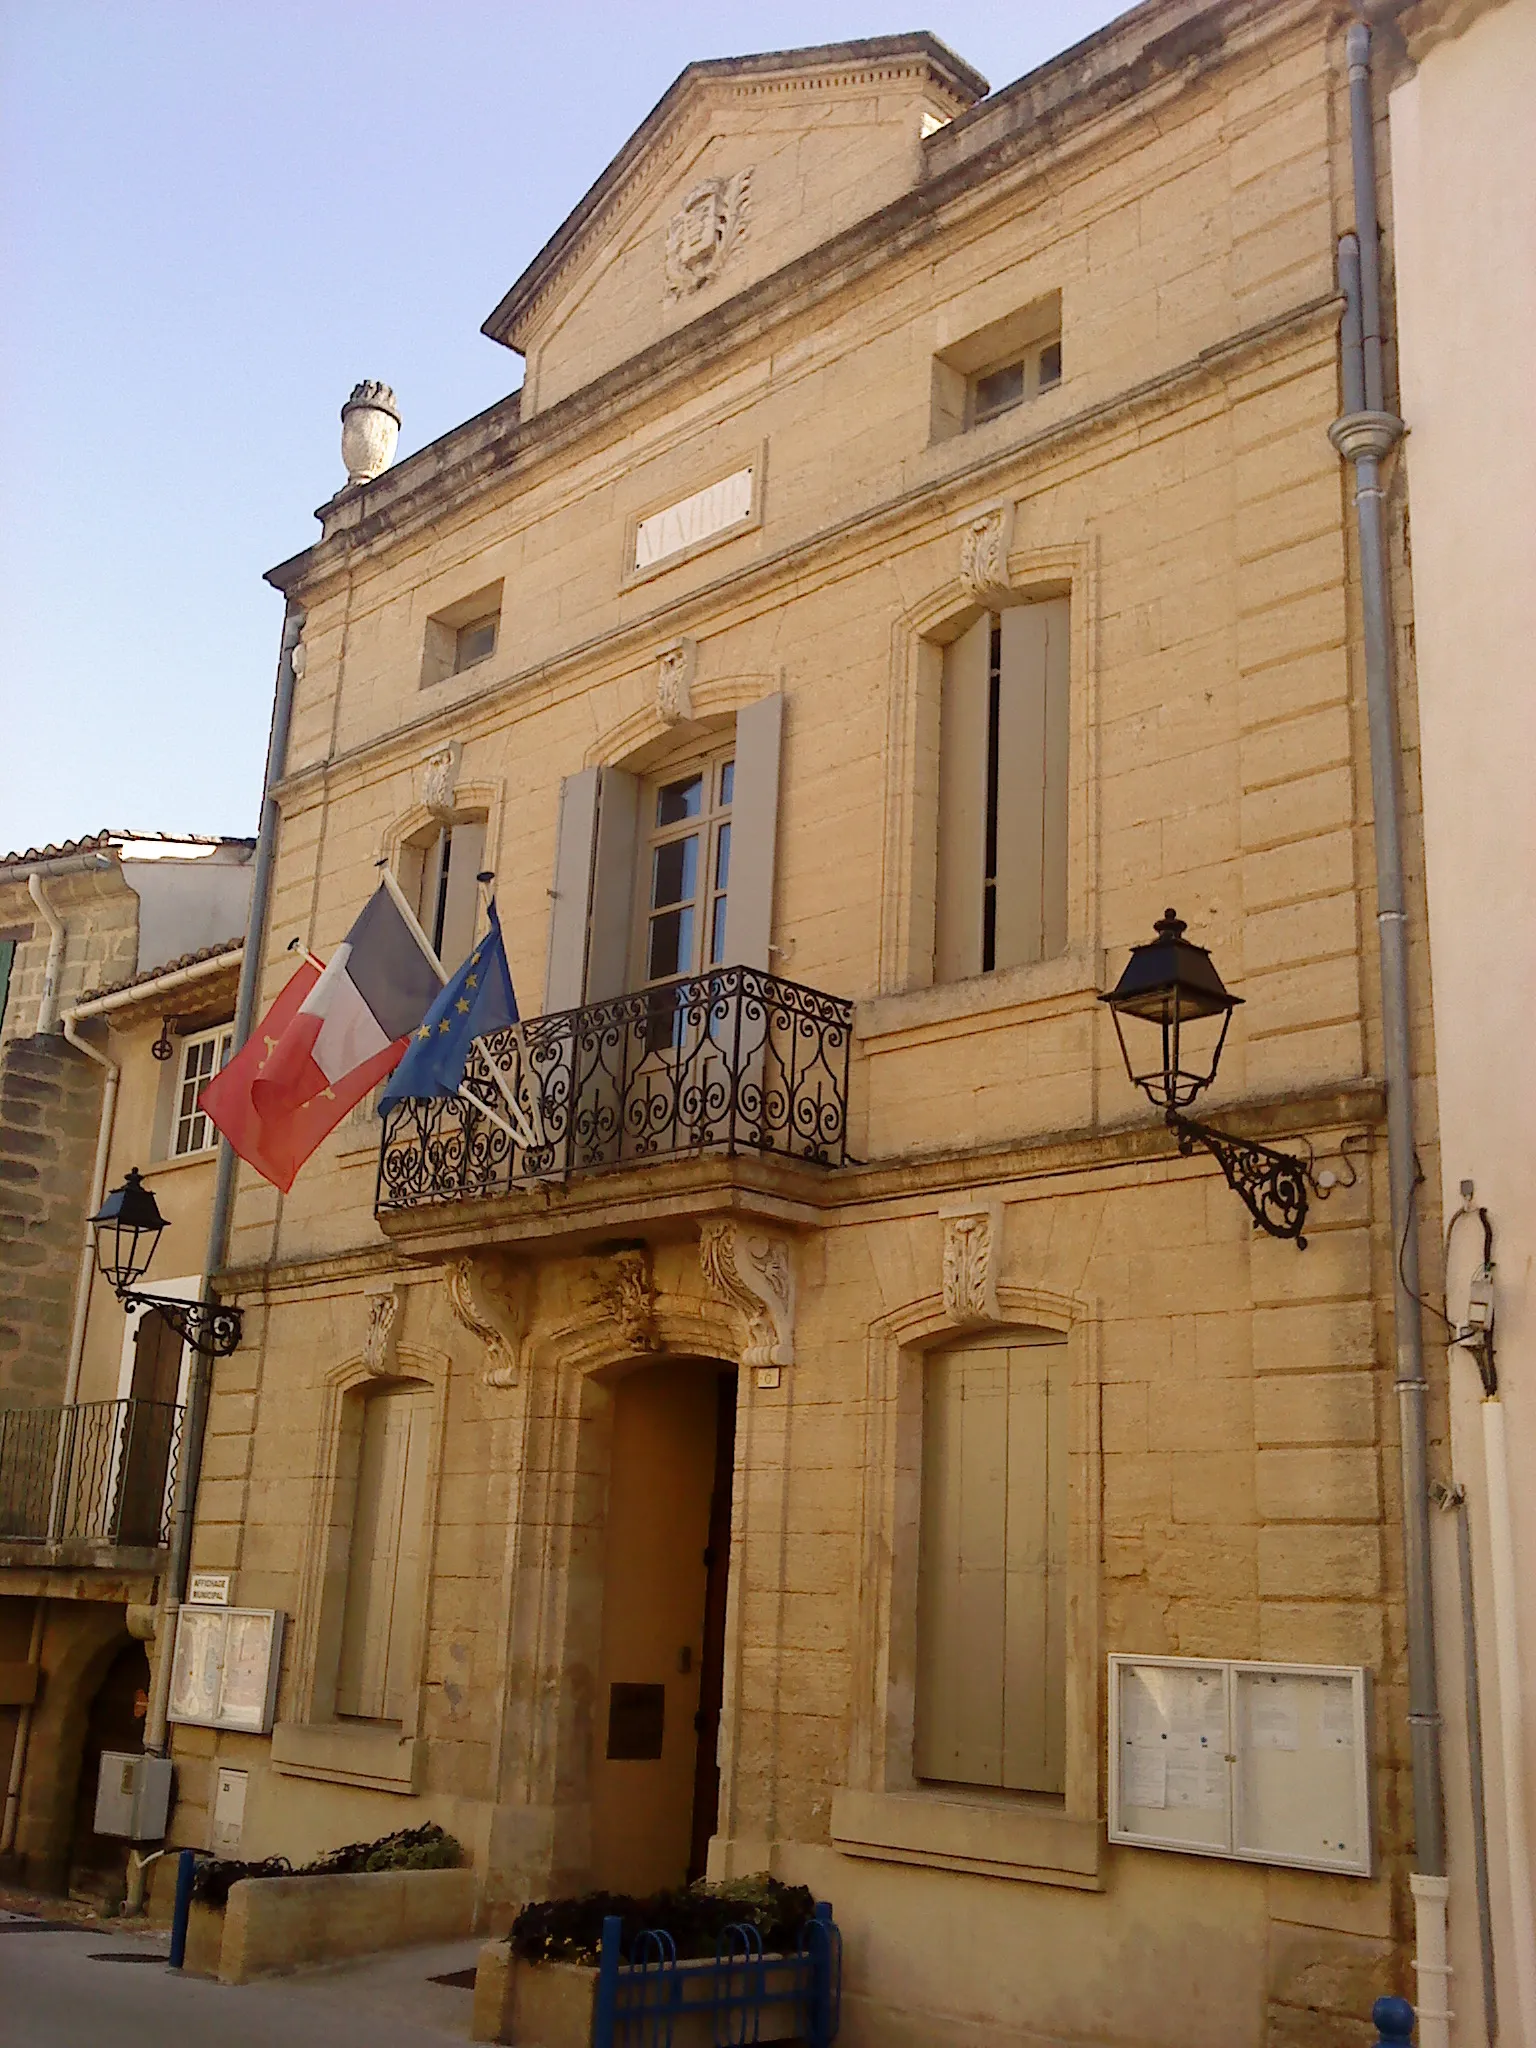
(914, 559)
(1465, 233)
(123, 952)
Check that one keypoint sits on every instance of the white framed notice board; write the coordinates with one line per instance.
(1267, 1763)
(225, 1667)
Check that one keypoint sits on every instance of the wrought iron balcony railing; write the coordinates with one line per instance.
(731, 1061)
(101, 1471)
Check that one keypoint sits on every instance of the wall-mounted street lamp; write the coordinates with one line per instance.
(127, 1229)
(1169, 985)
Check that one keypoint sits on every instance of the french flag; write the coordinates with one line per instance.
(312, 1060)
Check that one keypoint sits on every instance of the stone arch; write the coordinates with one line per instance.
(81, 1641)
(636, 741)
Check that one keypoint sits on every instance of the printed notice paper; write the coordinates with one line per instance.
(1144, 1780)
(1336, 1715)
(1274, 1713)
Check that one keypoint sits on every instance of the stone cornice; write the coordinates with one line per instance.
(676, 1194)
(878, 523)
(499, 446)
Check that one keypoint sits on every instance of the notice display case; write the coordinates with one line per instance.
(1266, 1763)
(225, 1667)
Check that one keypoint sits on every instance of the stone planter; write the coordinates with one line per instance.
(554, 2005)
(275, 1924)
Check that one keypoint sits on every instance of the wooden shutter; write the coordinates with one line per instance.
(466, 857)
(7, 956)
(991, 1601)
(613, 885)
(384, 1572)
(1032, 784)
(754, 834)
(156, 1359)
(565, 975)
(963, 803)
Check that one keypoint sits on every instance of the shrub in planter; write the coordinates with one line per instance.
(696, 1915)
(423, 1848)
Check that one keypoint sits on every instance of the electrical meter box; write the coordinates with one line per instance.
(133, 1796)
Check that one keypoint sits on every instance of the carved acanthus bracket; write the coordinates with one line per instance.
(381, 1339)
(973, 1252)
(984, 554)
(674, 680)
(627, 1291)
(490, 1298)
(440, 780)
(756, 1274)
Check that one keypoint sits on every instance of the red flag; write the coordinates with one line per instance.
(277, 1146)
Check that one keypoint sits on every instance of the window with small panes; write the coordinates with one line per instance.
(201, 1058)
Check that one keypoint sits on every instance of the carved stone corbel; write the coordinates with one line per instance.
(440, 780)
(973, 1253)
(381, 1339)
(627, 1291)
(984, 554)
(756, 1274)
(490, 1298)
(675, 671)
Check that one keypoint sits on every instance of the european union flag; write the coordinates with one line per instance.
(476, 1000)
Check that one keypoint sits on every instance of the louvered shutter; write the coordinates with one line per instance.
(1032, 784)
(963, 802)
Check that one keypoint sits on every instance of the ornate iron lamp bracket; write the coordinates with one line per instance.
(1272, 1186)
(208, 1326)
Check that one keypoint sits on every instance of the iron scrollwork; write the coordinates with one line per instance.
(208, 1326)
(1272, 1186)
(732, 1061)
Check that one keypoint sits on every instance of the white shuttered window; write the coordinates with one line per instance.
(1003, 766)
(991, 1690)
(385, 1565)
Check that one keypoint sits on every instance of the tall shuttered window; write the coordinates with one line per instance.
(1003, 766)
(437, 873)
(385, 1574)
(991, 1693)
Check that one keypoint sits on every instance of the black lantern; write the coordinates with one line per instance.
(127, 1229)
(1168, 985)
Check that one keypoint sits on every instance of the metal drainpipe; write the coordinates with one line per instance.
(48, 1007)
(1363, 435)
(175, 1581)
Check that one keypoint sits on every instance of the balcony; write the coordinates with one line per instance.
(730, 1064)
(101, 1473)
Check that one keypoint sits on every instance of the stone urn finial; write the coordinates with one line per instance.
(370, 427)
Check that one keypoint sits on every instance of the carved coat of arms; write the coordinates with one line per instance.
(704, 231)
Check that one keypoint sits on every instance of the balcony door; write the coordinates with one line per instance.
(148, 1428)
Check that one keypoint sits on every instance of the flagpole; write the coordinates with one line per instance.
(413, 925)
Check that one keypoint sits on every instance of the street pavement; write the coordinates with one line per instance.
(58, 1990)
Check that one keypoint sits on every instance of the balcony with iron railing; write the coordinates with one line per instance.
(730, 1066)
(95, 1477)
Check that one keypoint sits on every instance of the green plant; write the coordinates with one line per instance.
(423, 1848)
(571, 1930)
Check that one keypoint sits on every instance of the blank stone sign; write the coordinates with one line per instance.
(1266, 1763)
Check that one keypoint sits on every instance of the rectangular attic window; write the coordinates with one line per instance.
(996, 368)
(461, 635)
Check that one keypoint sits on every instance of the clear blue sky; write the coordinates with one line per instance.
(217, 216)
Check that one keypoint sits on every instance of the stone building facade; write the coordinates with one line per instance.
(932, 493)
(123, 952)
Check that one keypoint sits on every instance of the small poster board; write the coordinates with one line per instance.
(225, 1667)
(1265, 1763)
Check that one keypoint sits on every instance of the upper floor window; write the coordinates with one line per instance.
(991, 1620)
(1003, 767)
(437, 873)
(461, 635)
(997, 367)
(201, 1058)
(685, 871)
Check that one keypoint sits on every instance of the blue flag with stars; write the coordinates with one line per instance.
(476, 1000)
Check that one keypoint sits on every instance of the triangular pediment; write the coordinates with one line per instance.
(743, 165)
